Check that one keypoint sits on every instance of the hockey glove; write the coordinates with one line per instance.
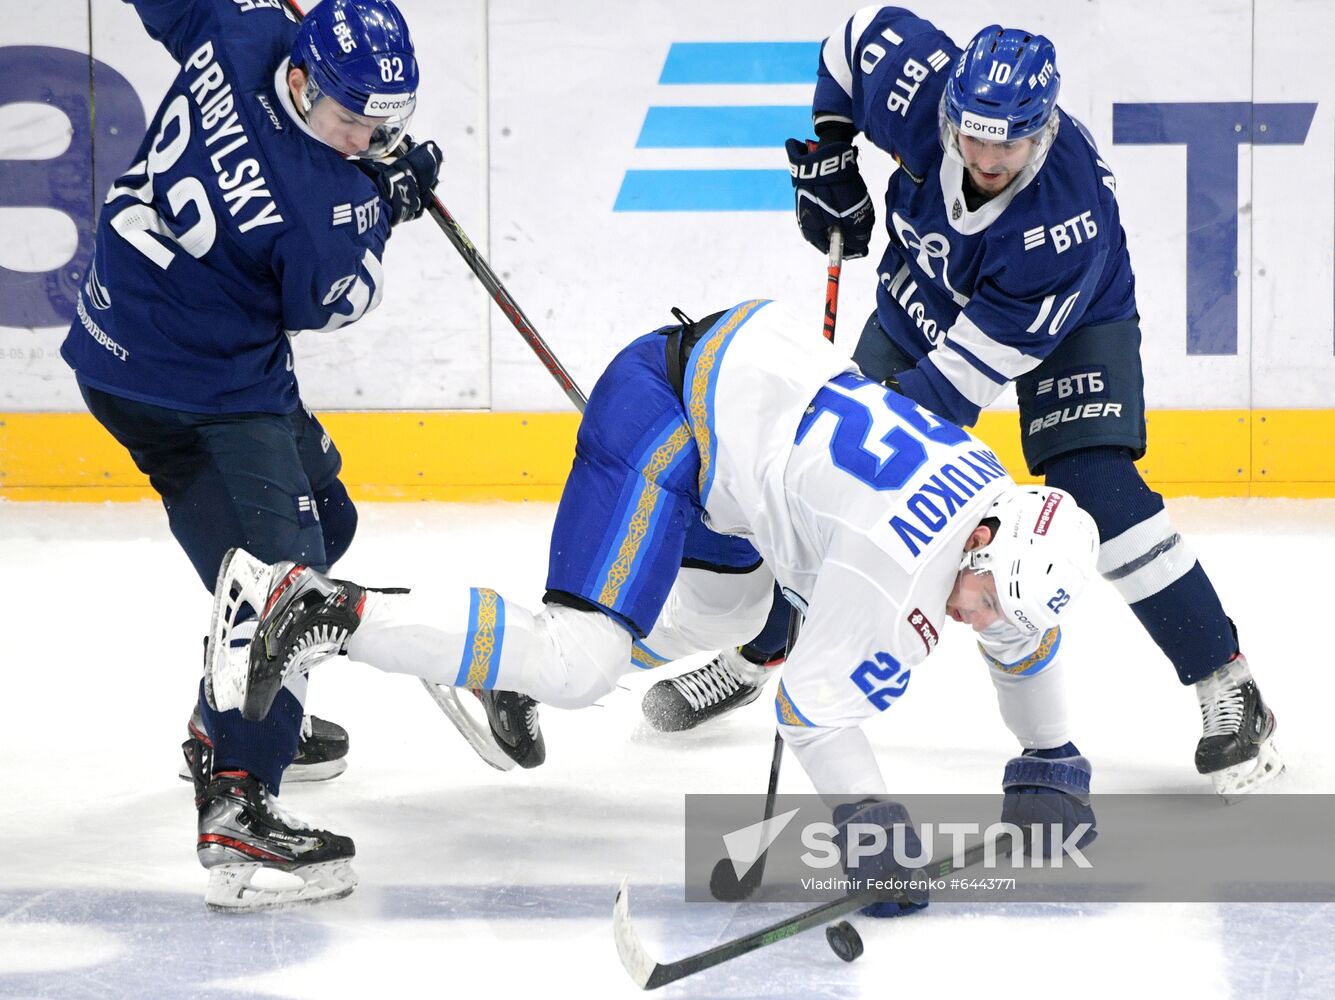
(829, 192)
(406, 182)
(1050, 788)
(866, 839)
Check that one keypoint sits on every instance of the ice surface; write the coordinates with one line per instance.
(481, 884)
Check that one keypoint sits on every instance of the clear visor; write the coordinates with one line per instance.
(352, 133)
(1001, 155)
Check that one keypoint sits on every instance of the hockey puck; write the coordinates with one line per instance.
(725, 886)
(844, 940)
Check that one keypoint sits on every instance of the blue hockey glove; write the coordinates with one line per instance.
(829, 192)
(860, 821)
(406, 182)
(1049, 787)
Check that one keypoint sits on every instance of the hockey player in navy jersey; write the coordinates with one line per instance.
(258, 206)
(1007, 262)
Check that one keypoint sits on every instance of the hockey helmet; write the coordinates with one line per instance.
(358, 53)
(1041, 553)
(1003, 88)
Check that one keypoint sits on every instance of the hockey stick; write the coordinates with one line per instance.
(482, 270)
(446, 699)
(724, 885)
(649, 973)
(833, 268)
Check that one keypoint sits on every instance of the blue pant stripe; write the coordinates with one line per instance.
(701, 384)
(480, 661)
(635, 534)
(644, 658)
(787, 712)
(461, 680)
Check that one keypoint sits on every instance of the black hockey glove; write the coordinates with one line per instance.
(1050, 788)
(829, 192)
(861, 827)
(406, 182)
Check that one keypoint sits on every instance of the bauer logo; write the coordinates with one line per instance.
(721, 153)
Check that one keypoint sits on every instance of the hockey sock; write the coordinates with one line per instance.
(769, 644)
(1149, 563)
(263, 748)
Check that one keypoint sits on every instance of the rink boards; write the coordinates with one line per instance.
(611, 166)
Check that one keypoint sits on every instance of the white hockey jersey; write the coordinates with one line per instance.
(858, 500)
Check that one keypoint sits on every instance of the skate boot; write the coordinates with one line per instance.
(242, 831)
(304, 617)
(1237, 748)
(726, 682)
(320, 753)
(514, 726)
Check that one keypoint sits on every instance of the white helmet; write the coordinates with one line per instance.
(1040, 555)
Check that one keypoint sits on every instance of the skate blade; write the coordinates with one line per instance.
(230, 888)
(1234, 783)
(242, 580)
(296, 773)
(476, 733)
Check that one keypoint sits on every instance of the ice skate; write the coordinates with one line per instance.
(320, 751)
(1237, 748)
(514, 726)
(726, 682)
(243, 833)
(303, 617)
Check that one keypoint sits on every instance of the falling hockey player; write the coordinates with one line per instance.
(878, 519)
(1006, 262)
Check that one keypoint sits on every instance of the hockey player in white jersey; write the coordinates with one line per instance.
(1006, 262)
(877, 519)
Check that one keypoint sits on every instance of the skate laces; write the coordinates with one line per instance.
(1223, 702)
(707, 685)
(531, 719)
(307, 727)
(276, 811)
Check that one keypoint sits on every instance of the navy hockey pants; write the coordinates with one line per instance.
(267, 483)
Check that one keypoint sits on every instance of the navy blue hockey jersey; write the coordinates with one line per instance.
(233, 228)
(982, 296)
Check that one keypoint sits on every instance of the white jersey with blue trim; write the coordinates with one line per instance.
(234, 227)
(978, 295)
(858, 500)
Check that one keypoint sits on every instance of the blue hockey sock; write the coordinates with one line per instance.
(773, 638)
(263, 748)
(1149, 563)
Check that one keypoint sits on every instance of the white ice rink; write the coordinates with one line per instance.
(479, 884)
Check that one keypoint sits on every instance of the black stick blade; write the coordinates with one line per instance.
(726, 887)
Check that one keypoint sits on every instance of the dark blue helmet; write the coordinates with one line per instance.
(359, 53)
(1004, 85)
